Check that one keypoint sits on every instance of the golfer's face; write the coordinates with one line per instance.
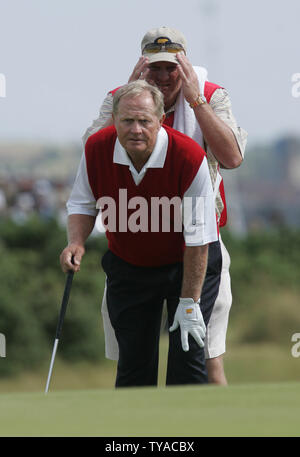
(166, 77)
(137, 124)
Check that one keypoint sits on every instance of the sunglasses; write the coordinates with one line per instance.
(153, 48)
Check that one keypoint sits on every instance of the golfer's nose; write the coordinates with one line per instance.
(136, 128)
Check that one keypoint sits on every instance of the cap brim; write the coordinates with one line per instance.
(161, 57)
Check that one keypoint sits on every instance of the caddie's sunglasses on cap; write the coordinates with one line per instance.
(163, 45)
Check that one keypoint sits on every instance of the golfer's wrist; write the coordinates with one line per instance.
(188, 300)
(76, 244)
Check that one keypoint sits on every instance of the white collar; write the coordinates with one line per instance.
(156, 159)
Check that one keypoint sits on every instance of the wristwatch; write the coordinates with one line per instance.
(200, 100)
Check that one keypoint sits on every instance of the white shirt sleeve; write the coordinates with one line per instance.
(198, 206)
(82, 200)
(104, 115)
(221, 104)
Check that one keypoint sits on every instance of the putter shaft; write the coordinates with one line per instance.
(51, 364)
(60, 323)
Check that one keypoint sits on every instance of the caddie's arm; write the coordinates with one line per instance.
(218, 135)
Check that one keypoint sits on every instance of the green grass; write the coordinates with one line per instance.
(262, 399)
(239, 410)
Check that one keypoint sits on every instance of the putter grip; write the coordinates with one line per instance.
(64, 301)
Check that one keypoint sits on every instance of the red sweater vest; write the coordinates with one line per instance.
(209, 89)
(145, 248)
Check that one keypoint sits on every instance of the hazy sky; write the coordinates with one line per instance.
(60, 57)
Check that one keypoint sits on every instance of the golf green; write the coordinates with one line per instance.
(237, 410)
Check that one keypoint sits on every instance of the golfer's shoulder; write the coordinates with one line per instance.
(183, 147)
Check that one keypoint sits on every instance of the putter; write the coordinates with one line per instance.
(60, 322)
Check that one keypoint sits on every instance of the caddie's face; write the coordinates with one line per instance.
(137, 125)
(165, 76)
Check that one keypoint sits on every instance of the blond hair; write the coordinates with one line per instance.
(136, 88)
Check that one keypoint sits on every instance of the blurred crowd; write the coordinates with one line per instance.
(21, 197)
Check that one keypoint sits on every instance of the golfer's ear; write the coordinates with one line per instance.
(161, 121)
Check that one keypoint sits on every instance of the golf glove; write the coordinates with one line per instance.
(189, 317)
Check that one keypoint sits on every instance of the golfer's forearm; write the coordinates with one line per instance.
(194, 270)
(219, 137)
(79, 228)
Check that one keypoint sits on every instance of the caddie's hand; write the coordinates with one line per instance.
(189, 318)
(141, 70)
(190, 83)
(75, 251)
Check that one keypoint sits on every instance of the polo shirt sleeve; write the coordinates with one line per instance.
(82, 200)
(198, 207)
(104, 114)
(221, 104)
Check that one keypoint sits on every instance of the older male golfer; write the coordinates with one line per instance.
(125, 171)
(201, 110)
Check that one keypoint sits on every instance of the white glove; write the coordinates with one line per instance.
(189, 317)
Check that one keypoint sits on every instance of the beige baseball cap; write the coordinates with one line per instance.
(162, 44)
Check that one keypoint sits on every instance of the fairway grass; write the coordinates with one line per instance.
(191, 411)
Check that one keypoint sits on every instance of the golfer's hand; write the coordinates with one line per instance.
(190, 83)
(75, 251)
(189, 318)
(140, 71)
